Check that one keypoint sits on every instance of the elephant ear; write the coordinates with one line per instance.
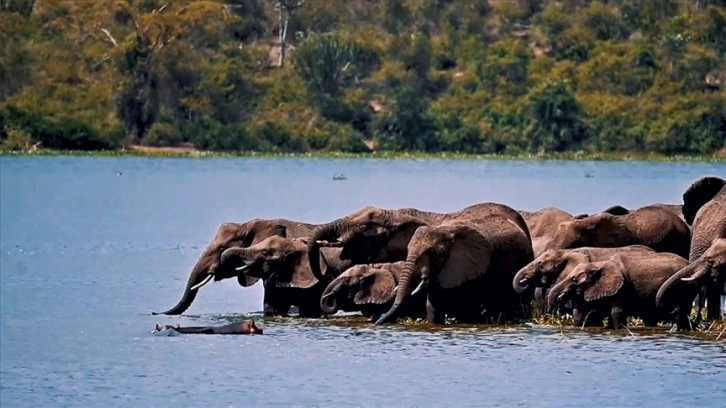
(698, 194)
(468, 258)
(294, 270)
(604, 279)
(376, 287)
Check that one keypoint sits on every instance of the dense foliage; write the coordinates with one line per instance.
(355, 75)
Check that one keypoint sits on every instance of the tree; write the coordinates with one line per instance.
(284, 10)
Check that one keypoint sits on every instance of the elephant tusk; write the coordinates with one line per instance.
(202, 283)
(242, 268)
(395, 289)
(420, 287)
(560, 296)
(523, 281)
(688, 279)
(329, 244)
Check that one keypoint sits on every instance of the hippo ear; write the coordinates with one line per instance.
(698, 194)
(604, 279)
(376, 287)
(468, 258)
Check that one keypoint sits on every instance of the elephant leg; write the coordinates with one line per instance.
(275, 304)
(617, 317)
(433, 315)
(310, 311)
(713, 303)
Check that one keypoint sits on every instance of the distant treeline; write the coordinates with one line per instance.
(358, 75)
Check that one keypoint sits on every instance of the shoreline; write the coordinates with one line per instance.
(187, 152)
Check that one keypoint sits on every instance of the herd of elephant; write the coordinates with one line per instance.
(486, 263)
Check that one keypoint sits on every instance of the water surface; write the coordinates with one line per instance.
(90, 246)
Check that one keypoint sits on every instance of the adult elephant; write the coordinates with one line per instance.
(652, 226)
(708, 270)
(542, 225)
(231, 235)
(466, 268)
(370, 289)
(373, 235)
(704, 208)
(624, 285)
(283, 265)
(674, 208)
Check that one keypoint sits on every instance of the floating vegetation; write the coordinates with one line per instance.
(340, 177)
(193, 153)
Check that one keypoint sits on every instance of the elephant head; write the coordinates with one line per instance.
(698, 194)
(369, 288)
(208, 267)
(542, 272)
(708, 270)
(599, 230)
(443, 257)
(366, 236)
(589, 281)
(279, 261)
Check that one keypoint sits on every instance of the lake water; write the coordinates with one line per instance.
(90, 246)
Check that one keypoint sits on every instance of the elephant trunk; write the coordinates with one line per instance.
(688, 271)
(328, 300)
(404, 289)
(201, 274)
(241, 268)
(556, 293)
(322, 233)
(523, 278)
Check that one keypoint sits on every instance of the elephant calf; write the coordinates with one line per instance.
(545, 271)
(624, 285)
(370, 289)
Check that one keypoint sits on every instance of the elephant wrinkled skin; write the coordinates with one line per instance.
(466, 268)
(230, 235)
(652, 226)
(624, 285)
(373, 235)
(371, 290)
(543, 223)
(283, 265)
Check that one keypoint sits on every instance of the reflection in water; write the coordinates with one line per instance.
(87, 255)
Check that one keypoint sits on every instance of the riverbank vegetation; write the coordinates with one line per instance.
(524, 78)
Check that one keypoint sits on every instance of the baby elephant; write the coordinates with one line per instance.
(369, 289)
(245, 327)
(624, 285)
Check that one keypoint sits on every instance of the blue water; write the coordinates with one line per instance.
(90, 246)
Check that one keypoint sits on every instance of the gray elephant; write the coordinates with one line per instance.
(624, 285)
(231, 235)
(370, 289)
(704, 208)
(283, 265)
(652, 226)
(620, 210)
(543, 223)
(466, 268)
(545, 270)
(708, 270)
(373, 235)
